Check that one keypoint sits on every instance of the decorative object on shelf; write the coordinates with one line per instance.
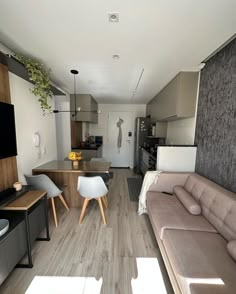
(76, 109)
(17, 186)
(39, 75)
(75, 157)
(119, 139)
(4, 226)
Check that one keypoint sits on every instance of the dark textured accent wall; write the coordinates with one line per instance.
(216, 119)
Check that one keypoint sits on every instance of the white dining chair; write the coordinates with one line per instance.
(92, 188)
(43, 182)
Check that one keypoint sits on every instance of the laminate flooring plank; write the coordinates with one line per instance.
(92, 249)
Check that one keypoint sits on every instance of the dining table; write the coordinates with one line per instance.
(65, 176)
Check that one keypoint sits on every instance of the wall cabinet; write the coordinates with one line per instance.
(88, 108)
(177, 100)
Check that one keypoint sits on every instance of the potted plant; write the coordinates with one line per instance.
(39, 75)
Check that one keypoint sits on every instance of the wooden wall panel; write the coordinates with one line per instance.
(4, 84)
(8, 166)
(76, 134)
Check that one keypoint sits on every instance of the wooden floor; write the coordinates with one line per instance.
(93, 249)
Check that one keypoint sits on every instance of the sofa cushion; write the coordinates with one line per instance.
(187, 200)
(231, 247)
(218, 204)
(166, 211)
(199, 259)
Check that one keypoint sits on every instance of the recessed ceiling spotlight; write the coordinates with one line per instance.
(116, 56)
(113, 16)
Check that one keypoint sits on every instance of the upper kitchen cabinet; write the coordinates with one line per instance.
(86, 107)
(177, 100)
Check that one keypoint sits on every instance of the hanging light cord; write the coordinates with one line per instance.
(75, 95)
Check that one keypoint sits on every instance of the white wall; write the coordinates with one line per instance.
(101, 129)
(63, 127)
(29, 119)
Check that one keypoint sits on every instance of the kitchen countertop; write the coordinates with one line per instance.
(177, 145)
(87, 147)
(66, 166)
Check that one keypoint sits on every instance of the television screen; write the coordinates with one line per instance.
(7, 131)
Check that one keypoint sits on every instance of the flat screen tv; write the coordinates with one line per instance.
(8, 146)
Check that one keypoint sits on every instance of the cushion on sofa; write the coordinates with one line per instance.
(231, 247)
(166, 211)
(200, 259)
(218, 204)
(187, 200)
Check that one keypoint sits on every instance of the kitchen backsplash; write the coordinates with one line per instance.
(181, 132)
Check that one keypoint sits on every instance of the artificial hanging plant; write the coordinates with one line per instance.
(39, 75)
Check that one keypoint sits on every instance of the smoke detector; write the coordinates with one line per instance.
(116, 56)
(113, 16)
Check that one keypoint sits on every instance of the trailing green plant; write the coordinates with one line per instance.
(39, 75)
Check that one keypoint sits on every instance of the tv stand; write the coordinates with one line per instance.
(28, 216)
(11, 194)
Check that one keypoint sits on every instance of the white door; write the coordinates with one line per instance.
(119, 157)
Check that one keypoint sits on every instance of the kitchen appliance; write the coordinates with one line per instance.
(142, 125)
(99, 140)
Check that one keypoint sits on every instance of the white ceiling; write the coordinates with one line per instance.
(162, 37)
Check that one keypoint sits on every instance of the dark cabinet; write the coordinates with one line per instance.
(13, 244)
(147, 161)
(3, 262)
(16, 245)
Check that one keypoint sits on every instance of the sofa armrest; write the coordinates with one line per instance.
(168, 180)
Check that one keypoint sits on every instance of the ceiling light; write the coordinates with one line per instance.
(113, 16)
(116, 56)
(77, 109)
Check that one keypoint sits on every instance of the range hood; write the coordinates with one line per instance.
(85, 107)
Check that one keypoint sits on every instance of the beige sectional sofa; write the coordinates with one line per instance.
(194, 228)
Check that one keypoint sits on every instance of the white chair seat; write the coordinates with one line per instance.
(92, 188)
(43, 182)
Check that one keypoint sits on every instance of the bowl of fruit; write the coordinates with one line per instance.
(75, 157)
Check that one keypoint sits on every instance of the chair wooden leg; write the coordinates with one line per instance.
(86, 201)
(104, 201)
(63, 202)
(54, 211)
(102, 211)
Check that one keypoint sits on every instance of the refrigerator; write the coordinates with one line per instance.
(142, 125)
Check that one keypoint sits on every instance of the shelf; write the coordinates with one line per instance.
(17, 68)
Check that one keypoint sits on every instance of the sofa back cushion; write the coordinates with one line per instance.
(187, 200)
(218, 204)
(231, 247)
